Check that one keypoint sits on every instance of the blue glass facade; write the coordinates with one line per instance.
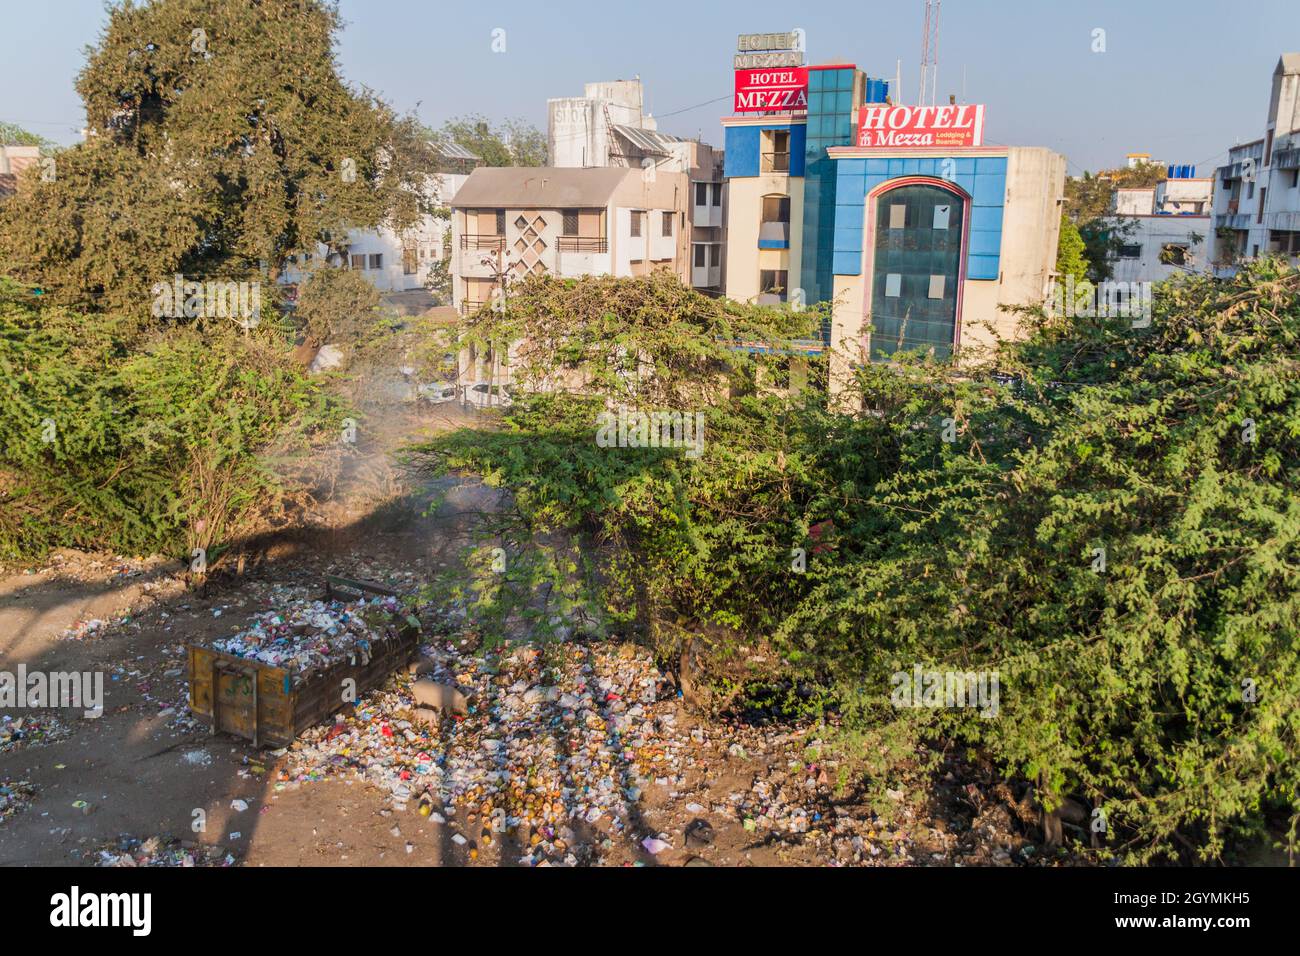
(983, 178)
(830, 123)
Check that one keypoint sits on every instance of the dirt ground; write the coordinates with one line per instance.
(144, 769)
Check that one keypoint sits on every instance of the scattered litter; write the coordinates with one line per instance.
(15, 796)
(31, 731)
(127, 851)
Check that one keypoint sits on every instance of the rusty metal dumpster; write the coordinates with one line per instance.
(264, 704)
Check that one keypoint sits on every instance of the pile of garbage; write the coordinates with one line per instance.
(546, 744)
(30, 731)
(15, 796)
(303, 636)
(159, 851)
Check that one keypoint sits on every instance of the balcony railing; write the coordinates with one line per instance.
(776, 162)
(582, 244)
(478, 241)
(1286, 158)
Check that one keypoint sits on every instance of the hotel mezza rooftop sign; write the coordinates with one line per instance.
(770, 75)
(924, 126)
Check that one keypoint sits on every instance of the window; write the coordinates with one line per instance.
(358, 262)
(1173, 254)
(776, 209)
(916, 262)
(715, 255)
(1250, 190)
(776, 151)
(376, 260)
(717, 194)
(1263, 197)
(637, 217)
(701, 253)
(772, 282)
(1295, 178)
(668, 224)
(410, 260)
(1130, 252)
(701, 194)
(501, 222)
(569, 222)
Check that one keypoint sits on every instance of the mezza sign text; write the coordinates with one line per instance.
(924, 126)
(785, 90)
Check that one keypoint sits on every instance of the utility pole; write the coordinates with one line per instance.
(929, 53)
(500, 270)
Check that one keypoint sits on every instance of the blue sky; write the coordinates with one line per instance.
(1182, 81)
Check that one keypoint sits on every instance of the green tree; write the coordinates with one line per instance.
(11, 134)
(1070, 258)
(223, 141)
(1107, 518)
(336, 305)
(512, 143)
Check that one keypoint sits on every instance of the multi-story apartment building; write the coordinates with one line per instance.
(1257, 192)
(1164, 228)
(607, 127)
(516, 221)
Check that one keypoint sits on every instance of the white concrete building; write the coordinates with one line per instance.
(1256, 208)
(1165, 228)
(402, 262)
(607, 127)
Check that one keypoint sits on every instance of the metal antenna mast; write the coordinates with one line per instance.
(930, 53)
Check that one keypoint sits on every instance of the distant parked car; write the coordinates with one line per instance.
(437, 392)
(483, 395)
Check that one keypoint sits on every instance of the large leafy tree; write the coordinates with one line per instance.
(222, 140)
(512, 143)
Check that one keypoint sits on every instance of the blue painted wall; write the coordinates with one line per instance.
(983, 177)
(743, 143)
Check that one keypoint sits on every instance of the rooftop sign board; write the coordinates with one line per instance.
(783, 90)
(756, 42)
(770, 75)
(944, 127)
(750, 61)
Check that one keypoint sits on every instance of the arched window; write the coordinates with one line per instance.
(774, 227)
(916, 270)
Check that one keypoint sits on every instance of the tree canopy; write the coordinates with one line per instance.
(222, 140)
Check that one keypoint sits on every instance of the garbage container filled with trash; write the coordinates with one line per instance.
(301, 662)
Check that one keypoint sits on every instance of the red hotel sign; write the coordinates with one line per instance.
(778, 88)
(938, 126)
